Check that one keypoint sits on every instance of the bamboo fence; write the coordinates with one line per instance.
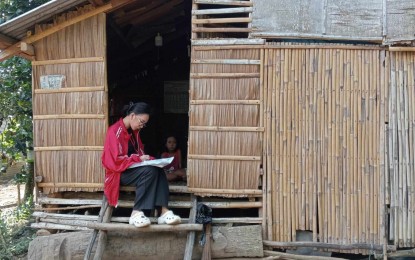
(225, 139)
(322, 143)
(70, 120)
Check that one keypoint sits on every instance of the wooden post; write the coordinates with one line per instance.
(191, 235)
(102, 239)
(94, 234)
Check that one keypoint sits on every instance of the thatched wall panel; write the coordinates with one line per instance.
(223, 174)
(70, 120)
(226, 89)
(69, 103)
(83, 39)
(248, 54)
(224, 115)
(69, 132)
(225, 143)
(226, 159)
(87, 74)
(70, 167)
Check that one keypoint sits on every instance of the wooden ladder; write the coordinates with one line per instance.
(103, 225)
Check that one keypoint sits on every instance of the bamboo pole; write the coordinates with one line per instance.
(69, 90)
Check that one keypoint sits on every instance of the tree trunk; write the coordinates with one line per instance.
(30, 184)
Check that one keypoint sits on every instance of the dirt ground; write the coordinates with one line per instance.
(8, 191)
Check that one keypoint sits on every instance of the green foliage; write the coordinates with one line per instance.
(15, 235)
(12, 8)
(16, 104)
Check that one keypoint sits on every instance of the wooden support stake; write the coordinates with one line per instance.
(94, 234)
(191, 235)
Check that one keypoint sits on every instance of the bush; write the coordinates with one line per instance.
(15, 234)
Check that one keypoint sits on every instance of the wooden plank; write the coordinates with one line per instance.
(69, 90)
(225, 102)
(225, 2)
(69, 148)
(223, 11)
(172, 188)
(276, 244)
(191, 235)
(223, 75)
(224, 157)
(227, 61)
(221, 20)
(68, 61)
(227, 42)
(227, 191)
(151, 228)
(226, 128)
(69, 116)
(220, 29)
(275, 35)
(401, 49)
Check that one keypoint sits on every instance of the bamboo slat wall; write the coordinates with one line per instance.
(70, 122)
(323, 132)
(225, 139)
(401, 148)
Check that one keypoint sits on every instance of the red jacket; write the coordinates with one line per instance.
(115, 158)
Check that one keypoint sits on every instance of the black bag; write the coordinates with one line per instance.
(203, 216)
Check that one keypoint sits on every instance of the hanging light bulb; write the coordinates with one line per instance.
(158, 41)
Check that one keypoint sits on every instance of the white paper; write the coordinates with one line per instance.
(157, 162)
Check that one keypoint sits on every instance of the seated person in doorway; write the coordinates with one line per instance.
(174, 170)
(151, 185)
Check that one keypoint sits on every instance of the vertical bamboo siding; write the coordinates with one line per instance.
(401, 148)
(225, 139)
(70, 122)
(322, 134)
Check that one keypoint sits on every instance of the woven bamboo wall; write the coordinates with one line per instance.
(70, 121)
(225, 139)
(324, 130)
(401, 148)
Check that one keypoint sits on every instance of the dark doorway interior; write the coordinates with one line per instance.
(141, 70)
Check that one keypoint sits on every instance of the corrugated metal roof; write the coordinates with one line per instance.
(17, 27)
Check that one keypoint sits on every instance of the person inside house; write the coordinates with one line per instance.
(174, 170)
(151, 185)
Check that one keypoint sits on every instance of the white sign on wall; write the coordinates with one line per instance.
(52, 81)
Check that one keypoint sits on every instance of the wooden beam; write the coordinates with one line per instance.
(227, 191)
(228, 42)
(224, 157)
(10, 51)
(152, 228)
(69, 116)
(223, 11)
(6, 41)
(67, 61)
(220, 29)
(15, 48)
(227, 61)
(69, 148)
(226, 128)
(401, 48)
(223, 75)
(225, 102)
(375, 247)
(69, 90)
(27, 48)
(225, 2)
(222, 20)
(280, 255)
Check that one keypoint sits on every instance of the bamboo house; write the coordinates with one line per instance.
(300, 114)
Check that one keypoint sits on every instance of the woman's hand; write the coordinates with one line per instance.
(145, 157)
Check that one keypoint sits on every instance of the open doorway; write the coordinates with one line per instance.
(148, 57)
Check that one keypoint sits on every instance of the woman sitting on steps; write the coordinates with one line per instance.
(151, 186)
